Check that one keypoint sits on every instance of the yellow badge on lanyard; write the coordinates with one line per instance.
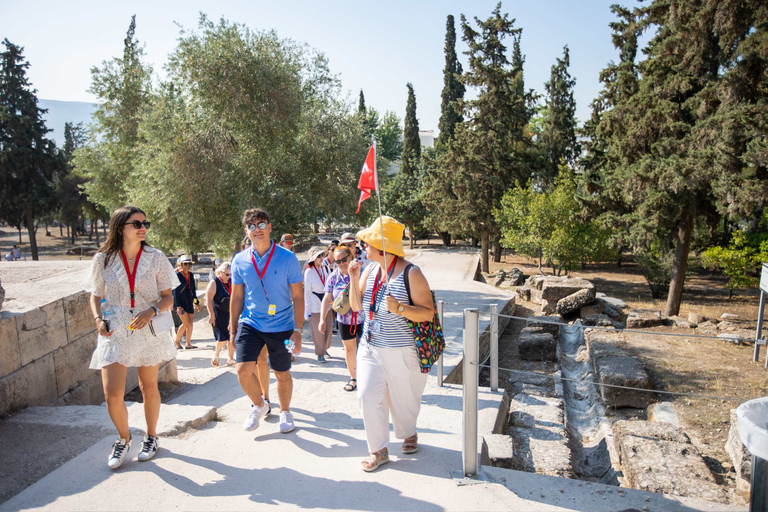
(272, 309)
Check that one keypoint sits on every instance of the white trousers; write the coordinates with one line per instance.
(389, 380)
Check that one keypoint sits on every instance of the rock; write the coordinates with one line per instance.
(732, 337)
(516, 277)
(740, 456)
(695, 318)
(725, 325)
(550, 324)
(615, 303)
(642, 318)
(708, 325)
(524, 293)
(537, 347)
(596, 308)
(524, 377)
(500, 277)
(548, 307)
(615, 366)
(659, 457)
(555, 289)
(679, 321)
(497, 451)
(575, 301)
(663, 411)
(539, 437)
(729, 316)
(609, 310)
(600, 321)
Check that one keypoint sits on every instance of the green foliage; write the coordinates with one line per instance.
(739, 261)
(389, 138)
(547, 225)
(411, 140)
(361, 103)
(453, 89)
(656, 267)
(69, 185)
(29, 161)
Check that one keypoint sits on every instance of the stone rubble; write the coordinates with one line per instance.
(615, 366)
(740, 456)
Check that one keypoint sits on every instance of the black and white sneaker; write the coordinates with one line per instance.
(269, 408)
(119, 450)
(148, 448)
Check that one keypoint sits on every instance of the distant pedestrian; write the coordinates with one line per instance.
(349, 321)
(185, 301)
(267, 291)
(287, 241)
(217, 298)
(388, 371)
(16, 252)
(314, 291)
(136, 282)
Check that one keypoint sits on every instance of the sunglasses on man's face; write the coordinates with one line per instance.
(288, 242)
(261, 225)
(137, 224)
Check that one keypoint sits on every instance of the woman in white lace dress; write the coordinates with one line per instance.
(136, 282)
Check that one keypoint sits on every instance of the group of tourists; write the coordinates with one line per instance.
(257, 306)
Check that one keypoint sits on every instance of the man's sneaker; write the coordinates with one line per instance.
(252, 421)
(268, 406)
(119, 450)
(148, 448)
(286, 422)
(320, 359)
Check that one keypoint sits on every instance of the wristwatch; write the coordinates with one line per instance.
(400, 309)
(157, 311)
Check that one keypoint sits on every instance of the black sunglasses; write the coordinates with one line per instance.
(261, 225)
(137, 224)
(344, 259)
(187, 264)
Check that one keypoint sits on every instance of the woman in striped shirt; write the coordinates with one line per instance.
(388, 373)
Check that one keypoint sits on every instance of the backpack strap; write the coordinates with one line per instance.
(407, 281)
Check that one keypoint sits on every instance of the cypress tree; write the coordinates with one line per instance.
(29, 161)
(411, 140)
(453, 89)
(361, 104)
(559, 135)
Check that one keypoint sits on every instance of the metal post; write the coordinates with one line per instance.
(758, 495)
(759, 333)
(440, 306)
(494, 347)
(469, 421)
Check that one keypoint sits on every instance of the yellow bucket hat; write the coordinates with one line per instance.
(393, 235)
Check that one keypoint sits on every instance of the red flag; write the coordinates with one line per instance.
(368, 179)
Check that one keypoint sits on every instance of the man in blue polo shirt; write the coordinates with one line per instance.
(267, 291)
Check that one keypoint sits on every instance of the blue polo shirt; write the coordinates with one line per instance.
(284, 270)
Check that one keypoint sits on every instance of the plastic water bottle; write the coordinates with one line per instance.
(107, 314)
(289, 346)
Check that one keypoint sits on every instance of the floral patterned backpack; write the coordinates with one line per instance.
(430, 341)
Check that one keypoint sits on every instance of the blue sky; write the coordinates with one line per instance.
(378, 47)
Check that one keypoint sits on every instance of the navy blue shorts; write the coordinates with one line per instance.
(249, 342)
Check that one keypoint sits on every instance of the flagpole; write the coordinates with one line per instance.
(381, 223)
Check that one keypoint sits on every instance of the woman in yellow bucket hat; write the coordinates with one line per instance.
(389, 379)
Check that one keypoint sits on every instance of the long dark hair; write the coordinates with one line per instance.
(115, 238)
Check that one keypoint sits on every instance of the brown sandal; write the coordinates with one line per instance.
(374, 460)
(411, 445)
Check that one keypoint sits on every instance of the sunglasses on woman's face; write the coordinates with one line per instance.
(137, 224)
(227, 275)
(261, 225)
(343, 260)
(187, 264)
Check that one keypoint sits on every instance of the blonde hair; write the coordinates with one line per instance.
(221, 268)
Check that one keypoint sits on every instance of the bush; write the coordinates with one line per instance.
(657, 271)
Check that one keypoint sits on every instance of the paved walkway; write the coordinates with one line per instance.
(317, 466)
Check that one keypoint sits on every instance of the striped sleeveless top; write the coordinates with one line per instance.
(394, 328)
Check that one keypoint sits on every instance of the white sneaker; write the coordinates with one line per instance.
(119, 450)
(286, 422)
(252, 421)
(268, 406)
(148, 448)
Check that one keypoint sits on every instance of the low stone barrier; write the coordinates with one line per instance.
(615, 366)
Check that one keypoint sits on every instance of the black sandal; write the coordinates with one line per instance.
(349, 386)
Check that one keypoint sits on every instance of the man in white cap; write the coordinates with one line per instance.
(350, 241)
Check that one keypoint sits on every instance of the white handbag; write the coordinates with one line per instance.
(161, 323)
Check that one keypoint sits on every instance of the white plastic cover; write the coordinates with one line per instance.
(753, 426)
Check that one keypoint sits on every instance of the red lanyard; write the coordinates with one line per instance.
(227, 286)
(377, 286)
(263, 272)
(322, 279)
(131, 277)
(189, 281)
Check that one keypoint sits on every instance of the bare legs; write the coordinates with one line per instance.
(262, 373)
(113, 380)
(187, 321)
(350, 355)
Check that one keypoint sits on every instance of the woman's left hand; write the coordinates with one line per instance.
(142, 319)
(197, 307)
(392, 304)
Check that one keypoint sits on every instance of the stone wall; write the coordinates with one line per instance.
(45, 352)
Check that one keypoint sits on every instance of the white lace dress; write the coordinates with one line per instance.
(138, 348)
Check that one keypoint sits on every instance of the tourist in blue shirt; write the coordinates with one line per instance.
(267, 291)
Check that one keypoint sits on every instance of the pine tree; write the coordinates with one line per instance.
(29, 162)
(411, 141)
(453, 89)
(361, 104)
(559, 130)
(69, 186)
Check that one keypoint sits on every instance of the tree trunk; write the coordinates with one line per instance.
(445, 237)
(411, 236)
(19, 234)
(497, 251)
(474, 241)
(541, 255)
(90, 235)
(679, 265)
(756, 216)
(315, 227)
(71, 234)
(61, 229)
(96, 228)
(32, 237)
(485, 245)
(104, 230)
